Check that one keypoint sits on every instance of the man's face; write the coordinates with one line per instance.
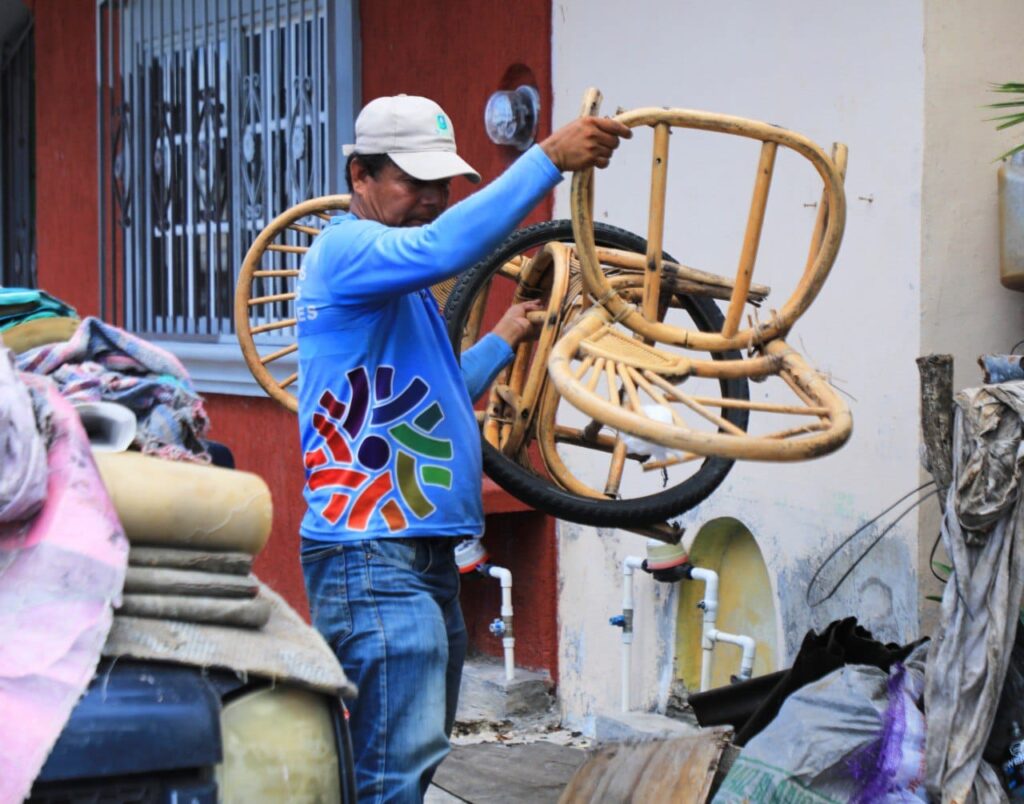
(395, 198)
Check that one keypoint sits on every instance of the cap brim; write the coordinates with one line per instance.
(434, 165)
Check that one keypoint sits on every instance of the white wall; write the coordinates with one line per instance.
(829, 70)
(964, 309)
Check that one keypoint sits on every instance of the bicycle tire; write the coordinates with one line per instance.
(542, 493)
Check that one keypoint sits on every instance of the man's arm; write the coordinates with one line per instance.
(374, 261)
(369, 260)
(484, 359)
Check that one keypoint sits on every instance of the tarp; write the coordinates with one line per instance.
(983, 532)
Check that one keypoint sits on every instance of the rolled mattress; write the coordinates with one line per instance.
(178, 504)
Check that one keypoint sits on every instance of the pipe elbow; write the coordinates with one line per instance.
(749, 647)
(710, 579)
(499, 573)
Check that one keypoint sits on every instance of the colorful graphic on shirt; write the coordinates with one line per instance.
(366, 471)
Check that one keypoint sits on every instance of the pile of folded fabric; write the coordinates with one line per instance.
(148, 527)
(100, 362)
(30, 318)
(194, 530)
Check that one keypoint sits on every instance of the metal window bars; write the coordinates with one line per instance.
(17, 160)
(213, 118)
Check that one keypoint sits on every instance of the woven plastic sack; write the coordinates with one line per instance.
(856, 735)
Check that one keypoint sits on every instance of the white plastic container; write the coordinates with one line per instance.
(1011, 222)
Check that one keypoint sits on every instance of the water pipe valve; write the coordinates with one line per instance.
(469, 555)
(497, 628)
(619, 621)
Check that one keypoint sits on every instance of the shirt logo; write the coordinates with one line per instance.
(376, 453)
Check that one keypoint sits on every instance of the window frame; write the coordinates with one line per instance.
(212, 358)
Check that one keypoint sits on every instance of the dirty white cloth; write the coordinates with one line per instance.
(61, 572)
(22, 448)
(983, 531)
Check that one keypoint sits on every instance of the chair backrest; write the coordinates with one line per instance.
(265, 315)
(823, 247)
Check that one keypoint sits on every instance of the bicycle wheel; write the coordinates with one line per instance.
(557, 483)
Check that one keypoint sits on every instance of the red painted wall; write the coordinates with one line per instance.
(457, 52)
(67, 222)
(525, 544)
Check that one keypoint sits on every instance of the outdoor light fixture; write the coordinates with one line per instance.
(511, 116)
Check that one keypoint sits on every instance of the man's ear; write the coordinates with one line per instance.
(360, 176)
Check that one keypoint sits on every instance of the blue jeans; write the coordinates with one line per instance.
(389, 608)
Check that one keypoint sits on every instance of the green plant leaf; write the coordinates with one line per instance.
(939, 567)
(936, 598)
(1011, 120)
(1011, 152)
(1008, 120)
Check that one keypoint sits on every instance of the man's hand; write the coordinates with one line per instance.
(514, 326)
(585, 142)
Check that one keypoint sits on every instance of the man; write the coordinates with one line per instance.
(390, 442)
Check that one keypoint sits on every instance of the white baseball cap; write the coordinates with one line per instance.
(417, 135)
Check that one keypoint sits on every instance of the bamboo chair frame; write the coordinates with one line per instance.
(619, 338)
(523, 403)
(824, 246)
(605, 321)
(247, 303)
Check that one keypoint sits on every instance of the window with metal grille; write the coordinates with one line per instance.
(17, 157)
(215, 116)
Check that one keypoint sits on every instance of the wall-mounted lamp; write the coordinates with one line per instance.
(511, 116)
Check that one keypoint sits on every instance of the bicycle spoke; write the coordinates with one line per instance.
(618, 463)
(471, 332)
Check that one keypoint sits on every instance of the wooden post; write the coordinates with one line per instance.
(937, 419)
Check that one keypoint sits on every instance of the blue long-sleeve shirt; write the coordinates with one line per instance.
(389, 438)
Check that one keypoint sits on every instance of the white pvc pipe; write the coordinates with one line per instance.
(710, 606)
(749, 647)
(710, 633)
(508, 641)
(629, 564)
